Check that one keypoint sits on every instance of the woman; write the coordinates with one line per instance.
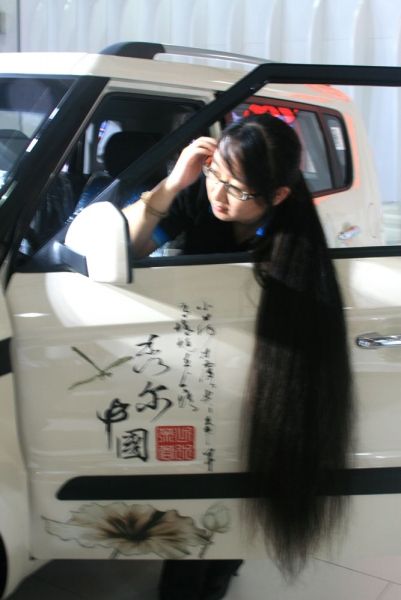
(252, 196)
(214, 213)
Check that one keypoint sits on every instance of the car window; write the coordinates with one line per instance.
(338, 138)
(25, 103)
(123, 127)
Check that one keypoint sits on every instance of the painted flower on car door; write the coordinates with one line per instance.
(134, 529)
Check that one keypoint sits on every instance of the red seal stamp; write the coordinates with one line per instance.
(175, 442)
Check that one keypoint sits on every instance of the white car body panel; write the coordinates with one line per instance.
(14, 504)
(65, 438)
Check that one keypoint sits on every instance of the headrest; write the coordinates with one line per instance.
(124, 147)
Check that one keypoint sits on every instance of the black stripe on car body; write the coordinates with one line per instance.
(5, 359)
(350, 482)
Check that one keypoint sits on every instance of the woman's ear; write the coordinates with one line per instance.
(281, 194)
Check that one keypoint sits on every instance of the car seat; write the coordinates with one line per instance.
(122, 149)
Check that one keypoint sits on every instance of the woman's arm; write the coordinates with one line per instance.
(145, 214)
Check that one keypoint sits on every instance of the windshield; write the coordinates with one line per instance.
(25, 103)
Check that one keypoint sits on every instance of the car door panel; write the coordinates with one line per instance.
(180, 349)
(14, 506)
(142, 326)
(97, 362)
(372, 299)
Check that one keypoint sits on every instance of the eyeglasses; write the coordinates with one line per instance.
(231, 190)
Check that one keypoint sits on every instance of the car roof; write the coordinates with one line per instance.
(183, 74)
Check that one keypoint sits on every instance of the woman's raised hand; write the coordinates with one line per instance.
(189, 164)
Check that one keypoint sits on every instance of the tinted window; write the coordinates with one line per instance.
(338, 137)
(25, 103)
(123, 127)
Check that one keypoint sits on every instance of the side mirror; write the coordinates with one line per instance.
(99, 234)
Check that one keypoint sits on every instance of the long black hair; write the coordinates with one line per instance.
(298, 417)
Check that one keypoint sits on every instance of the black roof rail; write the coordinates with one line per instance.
(150, 49)
(134, 49)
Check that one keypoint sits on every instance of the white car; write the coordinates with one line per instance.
(96, 425)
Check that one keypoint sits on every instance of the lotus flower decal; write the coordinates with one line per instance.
(131, 530)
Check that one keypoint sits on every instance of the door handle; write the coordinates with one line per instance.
(371, 341)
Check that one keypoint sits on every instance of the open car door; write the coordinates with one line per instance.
(130, 382)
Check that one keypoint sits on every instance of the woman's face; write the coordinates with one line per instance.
(225, 203)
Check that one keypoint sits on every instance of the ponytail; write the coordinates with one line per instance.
(299, 407)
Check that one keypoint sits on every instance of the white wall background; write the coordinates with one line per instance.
(319, 31)
(328, 31)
